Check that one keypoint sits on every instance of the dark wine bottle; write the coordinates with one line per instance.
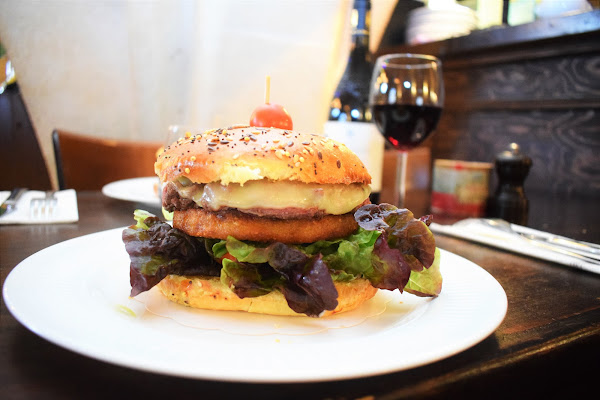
(349, 119)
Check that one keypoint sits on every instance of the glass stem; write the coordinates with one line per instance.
(402, 188)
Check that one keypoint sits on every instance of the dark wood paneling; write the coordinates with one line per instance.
(563, 144)
(537, 85)
(556, 82)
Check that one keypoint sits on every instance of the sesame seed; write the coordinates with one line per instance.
(236, 156)
(301, 159)
(187, 170)
(339, 164)
(297, 164)
(193, 158)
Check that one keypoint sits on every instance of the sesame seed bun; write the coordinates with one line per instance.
(243, 153)
(210, 294)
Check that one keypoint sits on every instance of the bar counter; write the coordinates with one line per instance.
(547, 344)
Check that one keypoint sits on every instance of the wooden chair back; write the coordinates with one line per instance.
(88, 163)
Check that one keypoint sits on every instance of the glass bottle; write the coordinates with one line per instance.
(349, 118)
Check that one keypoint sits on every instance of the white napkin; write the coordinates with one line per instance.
(64, 212)
(478, 232)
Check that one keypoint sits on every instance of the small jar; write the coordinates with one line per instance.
(460, 188)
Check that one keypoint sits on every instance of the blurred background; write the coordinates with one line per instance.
(521, 71)
(129, 69)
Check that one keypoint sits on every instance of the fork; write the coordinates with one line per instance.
(43, 207)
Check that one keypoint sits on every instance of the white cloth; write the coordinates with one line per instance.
(65, 211)
(478, 232)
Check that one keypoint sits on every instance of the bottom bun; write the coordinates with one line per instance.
(210, 294)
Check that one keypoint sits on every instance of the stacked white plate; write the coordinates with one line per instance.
(433, 24)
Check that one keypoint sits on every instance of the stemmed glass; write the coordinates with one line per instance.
(406, 99)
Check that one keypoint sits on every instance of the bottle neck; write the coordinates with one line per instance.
(361, 25)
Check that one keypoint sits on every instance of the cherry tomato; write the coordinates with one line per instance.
(271, 116)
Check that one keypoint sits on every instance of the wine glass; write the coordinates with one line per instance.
(406, 99)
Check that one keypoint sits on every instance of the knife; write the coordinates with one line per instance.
(10, 204)
(574, 248)
(557, 240)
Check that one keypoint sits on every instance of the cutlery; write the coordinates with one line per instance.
(43, 208)
(556, 239)
(11, 203)
(590, 250)
(587, 254)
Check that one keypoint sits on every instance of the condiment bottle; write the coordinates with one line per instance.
(509, 201)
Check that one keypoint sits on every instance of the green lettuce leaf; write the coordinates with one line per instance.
(427, 282)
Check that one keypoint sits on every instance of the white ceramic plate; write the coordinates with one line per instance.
(141, 190)
(75, 294)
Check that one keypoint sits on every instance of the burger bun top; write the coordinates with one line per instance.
(243, 153)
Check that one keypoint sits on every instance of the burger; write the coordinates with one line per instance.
(274, 221)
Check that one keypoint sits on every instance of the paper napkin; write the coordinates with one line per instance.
(64, 212)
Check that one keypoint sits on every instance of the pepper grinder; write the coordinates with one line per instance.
(509, 201)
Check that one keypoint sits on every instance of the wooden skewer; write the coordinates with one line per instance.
(267, 89)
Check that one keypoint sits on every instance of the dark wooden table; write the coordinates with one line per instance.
(548, 344)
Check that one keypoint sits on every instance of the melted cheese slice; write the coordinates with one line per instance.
(331, 199)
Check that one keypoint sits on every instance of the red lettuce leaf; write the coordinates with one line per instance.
(406, 244)
(309, 288)
(156, 250)
(304, 281)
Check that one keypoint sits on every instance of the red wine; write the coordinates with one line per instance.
(406, 126)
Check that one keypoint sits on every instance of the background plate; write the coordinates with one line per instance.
(141, 190)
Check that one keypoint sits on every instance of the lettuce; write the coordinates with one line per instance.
(305, 281)
(156, 250)
(427, 282)
(391, 248)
